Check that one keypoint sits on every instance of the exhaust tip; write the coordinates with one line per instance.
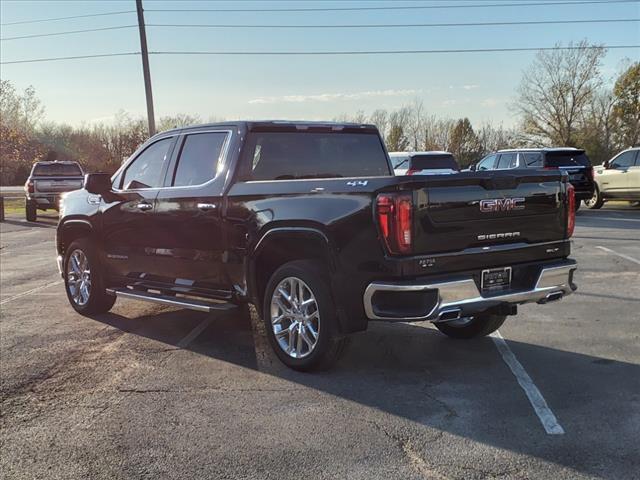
(451, 314)
(552, 297)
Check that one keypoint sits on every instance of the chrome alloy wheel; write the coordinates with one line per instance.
(593, 200)
(79, 277)
(295, 317)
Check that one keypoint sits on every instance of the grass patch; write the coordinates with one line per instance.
(14, 206)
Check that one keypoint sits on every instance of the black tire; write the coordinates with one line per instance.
(30, 211)
(478, 326)
(98, 300)
(596, 201)
(329, 343)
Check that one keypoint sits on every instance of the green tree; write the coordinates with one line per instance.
(626, 110)
(464, 143)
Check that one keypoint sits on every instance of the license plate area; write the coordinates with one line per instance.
(495, 280)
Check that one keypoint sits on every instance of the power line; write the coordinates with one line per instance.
(53, 34)
(325, 9)
(328, 52)
(75, 57)
(374, 25)
(396, 25)
(400, 7)
(22, 22)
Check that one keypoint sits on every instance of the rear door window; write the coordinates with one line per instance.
(507, 160)
(199, 158)
(567, 159)
(300, 155)
(146, 170)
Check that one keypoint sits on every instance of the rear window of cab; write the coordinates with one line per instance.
(57, 170)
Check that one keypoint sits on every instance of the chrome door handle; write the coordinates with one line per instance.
(207, 206)
(144, 206)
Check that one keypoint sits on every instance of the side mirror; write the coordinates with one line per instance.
(97, 183)
(472, 167)
(605, 164)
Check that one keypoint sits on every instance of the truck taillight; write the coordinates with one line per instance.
(395, 213)
(29, 186)
(571, 210)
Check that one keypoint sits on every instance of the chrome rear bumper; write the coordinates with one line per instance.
(462, 297)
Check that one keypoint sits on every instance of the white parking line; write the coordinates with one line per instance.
(594, 217)
(546, 416)
(191, 336)
(29, 292)
(622, 255)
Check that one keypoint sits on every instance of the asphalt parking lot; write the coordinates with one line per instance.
(152, 392)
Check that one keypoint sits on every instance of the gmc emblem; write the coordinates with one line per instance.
(501, 204)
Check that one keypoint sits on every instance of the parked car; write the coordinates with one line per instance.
(573, 161)
(617, 179)
(46, 182)
(423, 163)
(306, 223)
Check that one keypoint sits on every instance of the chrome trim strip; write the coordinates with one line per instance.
(176, 302)
(465, 295)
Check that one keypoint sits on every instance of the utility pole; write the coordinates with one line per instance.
(145, 69)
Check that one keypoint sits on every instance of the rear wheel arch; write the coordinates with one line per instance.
(281, 245)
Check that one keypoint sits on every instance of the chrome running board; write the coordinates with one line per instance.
(190, 303)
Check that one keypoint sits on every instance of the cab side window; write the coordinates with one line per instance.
(199, 158)
(147, 169)
(486, 163)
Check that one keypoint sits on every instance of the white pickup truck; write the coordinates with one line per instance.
(45, 184)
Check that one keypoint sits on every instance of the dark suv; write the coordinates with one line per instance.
(573, 161)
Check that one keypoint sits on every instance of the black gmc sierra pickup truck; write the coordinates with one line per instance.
(307, 224)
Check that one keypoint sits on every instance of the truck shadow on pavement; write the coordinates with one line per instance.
(462, 388)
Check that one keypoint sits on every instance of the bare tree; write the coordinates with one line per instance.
(380, 118)
(416, 124)
(397, 138)
(556, 90)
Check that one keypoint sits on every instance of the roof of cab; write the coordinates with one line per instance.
(276, 124)
(414, 154)
(542, 149)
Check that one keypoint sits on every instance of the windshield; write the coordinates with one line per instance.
(429, 162)
(57, 170)
(567, 159)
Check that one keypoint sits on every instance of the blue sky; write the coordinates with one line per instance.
(479, 85)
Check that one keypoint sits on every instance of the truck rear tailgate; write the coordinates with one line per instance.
(475, 209)
(57, 185)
